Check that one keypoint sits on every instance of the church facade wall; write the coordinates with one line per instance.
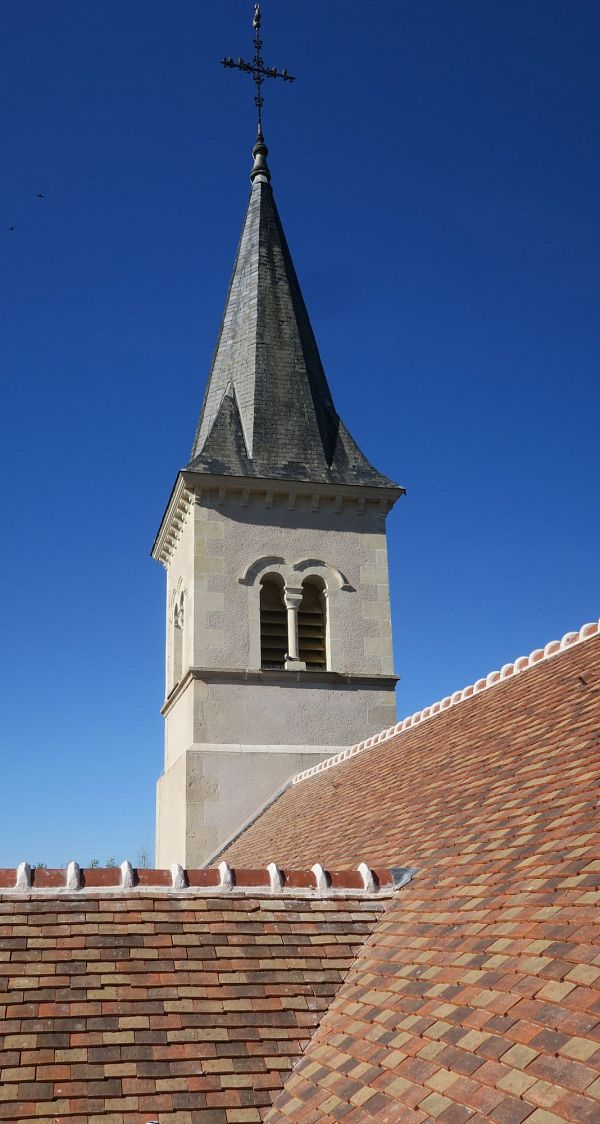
(235, 732)
(216, 792)
(268, 712)
(230, 538)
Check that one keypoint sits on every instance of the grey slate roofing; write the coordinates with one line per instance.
(268, 411)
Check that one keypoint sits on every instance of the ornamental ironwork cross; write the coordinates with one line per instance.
(257, 67)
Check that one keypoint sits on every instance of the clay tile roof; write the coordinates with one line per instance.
(477, 996)
(163, 995)
(441, 961)
(479, 774)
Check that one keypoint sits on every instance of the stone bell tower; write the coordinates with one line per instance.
(279, 648)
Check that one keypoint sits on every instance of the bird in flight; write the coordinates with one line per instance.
(12, 228)
(39, 195)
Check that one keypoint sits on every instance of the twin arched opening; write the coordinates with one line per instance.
(293, 624)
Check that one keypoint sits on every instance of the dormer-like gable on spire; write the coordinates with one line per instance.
(268, 411)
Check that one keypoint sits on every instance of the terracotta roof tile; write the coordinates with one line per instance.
(484, 972)
(149, 1003)
(475, 995)
(487, 776)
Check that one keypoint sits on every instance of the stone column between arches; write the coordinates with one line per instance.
(293, 599)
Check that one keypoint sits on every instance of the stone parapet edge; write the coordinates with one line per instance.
(523, 663)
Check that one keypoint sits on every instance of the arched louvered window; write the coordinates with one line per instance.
(311, 625)
(273, 623)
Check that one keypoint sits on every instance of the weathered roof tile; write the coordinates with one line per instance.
(481, 982)
(152, 1002)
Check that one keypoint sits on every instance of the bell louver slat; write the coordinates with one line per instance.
(311, 628)
(273, 626)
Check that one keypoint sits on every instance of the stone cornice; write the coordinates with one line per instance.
(173, 520)
(242, 489)
(241, 486)
(304, 679)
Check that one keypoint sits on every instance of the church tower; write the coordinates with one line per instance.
(278, 646)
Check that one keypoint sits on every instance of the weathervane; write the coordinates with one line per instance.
(257, 67)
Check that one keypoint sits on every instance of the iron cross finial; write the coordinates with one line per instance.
(257, 67)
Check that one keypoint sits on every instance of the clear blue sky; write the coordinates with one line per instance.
(437, 167)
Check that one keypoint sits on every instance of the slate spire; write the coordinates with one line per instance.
(268, 411)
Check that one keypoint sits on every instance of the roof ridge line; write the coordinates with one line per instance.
(508, 671)
(219, 879)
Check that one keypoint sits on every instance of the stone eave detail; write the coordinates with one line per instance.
(220, 489)
(176, 512)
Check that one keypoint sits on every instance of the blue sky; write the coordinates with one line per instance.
(437, 168)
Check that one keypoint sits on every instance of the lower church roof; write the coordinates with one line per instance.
(158, 1003)
(454, 976)
(477, 997)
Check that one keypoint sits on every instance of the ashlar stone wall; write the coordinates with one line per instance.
(234, 733)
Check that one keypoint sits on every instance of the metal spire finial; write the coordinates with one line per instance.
(259, 72)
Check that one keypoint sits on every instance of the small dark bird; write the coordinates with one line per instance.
(39, 195)
(12, 228)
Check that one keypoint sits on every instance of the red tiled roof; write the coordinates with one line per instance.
(476, 782)
(477, 997)
(152, 1003)
(467, 999)
(510, 670)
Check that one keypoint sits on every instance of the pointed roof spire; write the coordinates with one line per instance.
(268, 411)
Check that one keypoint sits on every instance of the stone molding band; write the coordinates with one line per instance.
(289, 678)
